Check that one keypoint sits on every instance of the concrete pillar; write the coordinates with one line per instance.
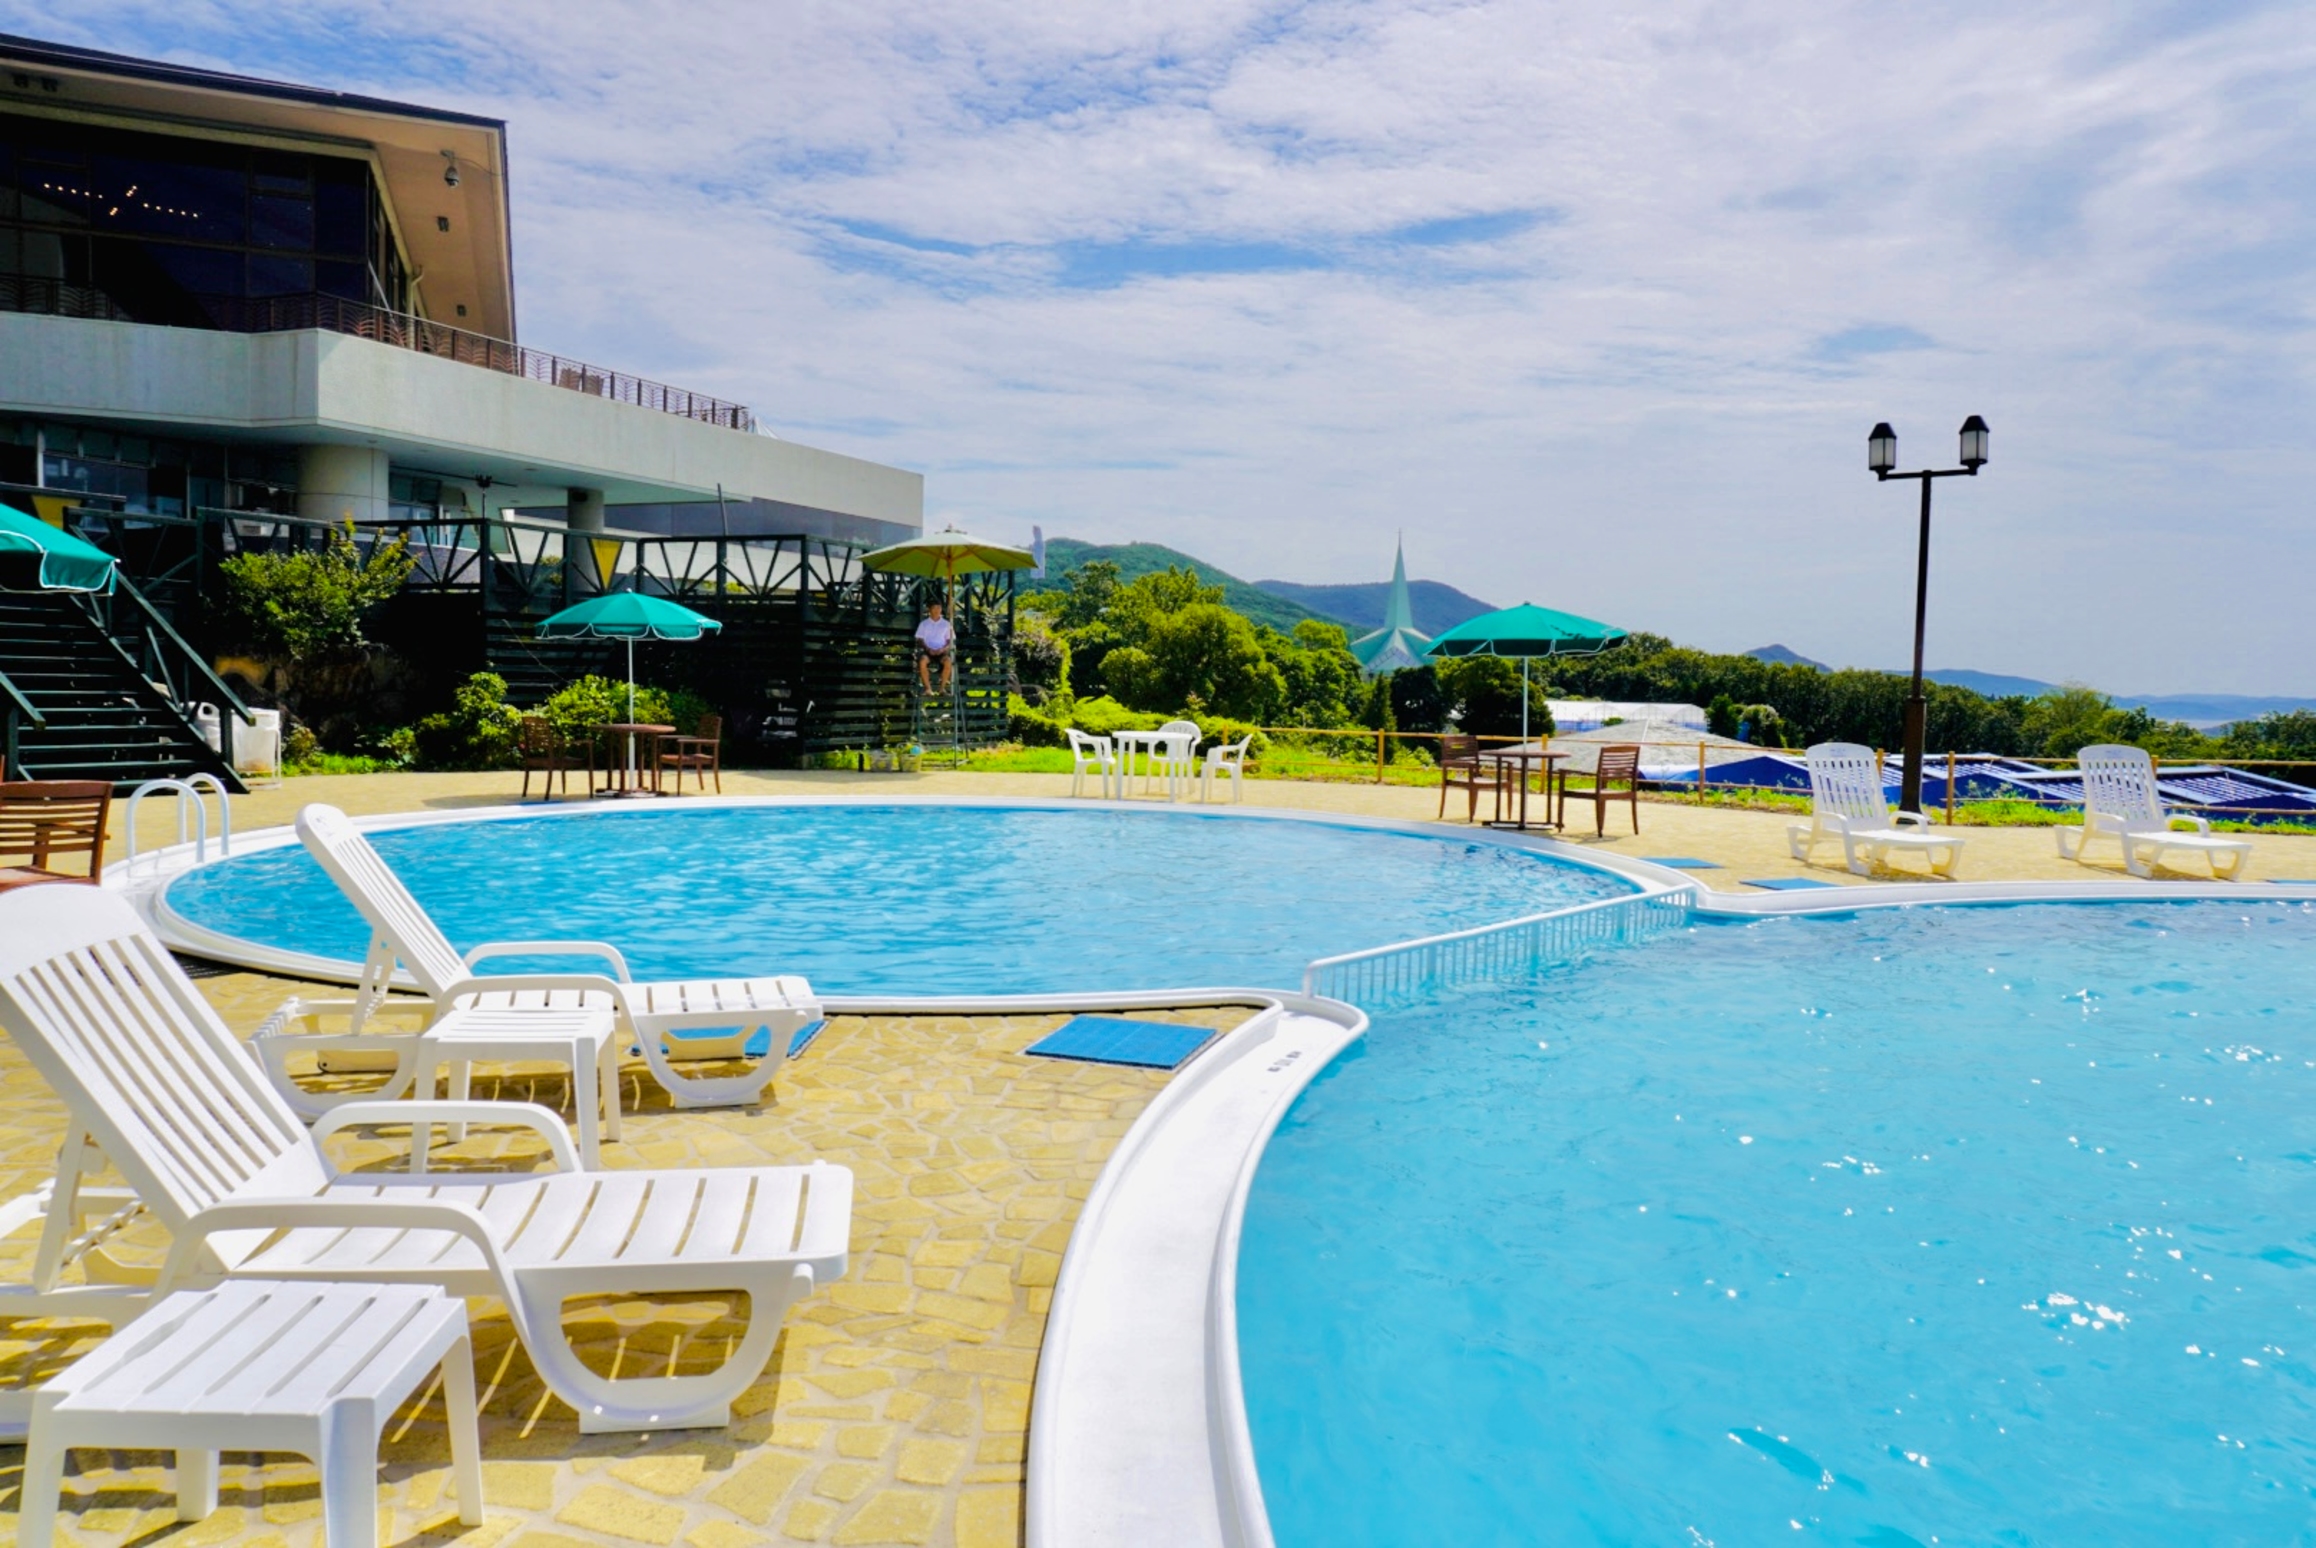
(582, 512)
(342, 483)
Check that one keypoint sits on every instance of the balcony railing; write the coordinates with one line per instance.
(404, 330)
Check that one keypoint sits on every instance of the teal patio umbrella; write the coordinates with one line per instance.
(629, 616)
(52, 558)
(1526, 631)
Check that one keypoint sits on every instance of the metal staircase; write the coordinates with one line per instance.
(76, 704)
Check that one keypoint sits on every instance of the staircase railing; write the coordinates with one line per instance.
(15, 709)
(163, 648)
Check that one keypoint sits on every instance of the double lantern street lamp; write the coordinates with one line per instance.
(1882, 460)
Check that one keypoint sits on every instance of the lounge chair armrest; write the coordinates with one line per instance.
(277, 1214)
(516, 1115)
(1908, 819)
(602, 949)
(2201, 824)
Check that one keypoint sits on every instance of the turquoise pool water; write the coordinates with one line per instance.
(1926, 1226)
(912, 899)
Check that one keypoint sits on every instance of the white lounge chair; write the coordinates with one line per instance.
(154, 1081)
(1097, 753)
(2120, 802)
(1846, 802)
(1225, 758)
(403, 933)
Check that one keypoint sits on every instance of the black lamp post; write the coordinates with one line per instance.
(1882, 460)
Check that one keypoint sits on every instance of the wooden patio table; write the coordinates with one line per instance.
(1524, 759)
(625, 779)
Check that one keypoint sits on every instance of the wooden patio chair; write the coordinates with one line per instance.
(702, 753)
(43, 820)
(1460, 767)
(544, 750)
(1619, 765)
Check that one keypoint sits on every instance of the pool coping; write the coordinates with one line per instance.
(1142, 1422)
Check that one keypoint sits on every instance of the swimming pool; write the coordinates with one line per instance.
(1973, 1224)
(911, 899)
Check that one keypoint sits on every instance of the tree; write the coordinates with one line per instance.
(1485, 694)
(310, 603)
(1417, 701)
(1207, 657)
(1321, 674)
(1041, 657)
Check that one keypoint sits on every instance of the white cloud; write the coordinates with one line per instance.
(1735, 235)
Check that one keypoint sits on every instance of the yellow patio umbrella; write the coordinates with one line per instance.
(945, 555)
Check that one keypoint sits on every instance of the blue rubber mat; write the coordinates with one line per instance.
(1154, 1045)
(1789, 883)
(1683, 862)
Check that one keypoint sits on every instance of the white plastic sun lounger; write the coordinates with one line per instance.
(156, 1082)
(404, 934)
(1846, 802)
(2120, 802)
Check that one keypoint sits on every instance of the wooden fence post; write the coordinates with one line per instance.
(1700, 774)
(1379, 735)
(1950, 790)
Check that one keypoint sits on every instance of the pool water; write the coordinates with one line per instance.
(1959, 1225)
(930, 900)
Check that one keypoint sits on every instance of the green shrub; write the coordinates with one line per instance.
(581, 705)
(1105, 715)
(476, 732)
(1029, 727)
(309, 603)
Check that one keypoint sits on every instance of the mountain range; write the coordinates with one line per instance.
(1281, 604)
(2202, 710)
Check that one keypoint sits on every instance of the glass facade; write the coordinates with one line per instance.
(168, 229)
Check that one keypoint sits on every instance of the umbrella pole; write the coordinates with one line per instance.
(631, 709)
(1523, 701)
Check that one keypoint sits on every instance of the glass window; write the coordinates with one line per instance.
(279, 276)
(279, 172)
(202, 271)
(347, 280)
(281, 222)
(341, 213)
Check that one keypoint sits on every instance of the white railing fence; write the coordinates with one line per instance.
(1493, 953)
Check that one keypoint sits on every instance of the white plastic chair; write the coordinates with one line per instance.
(157, 1085)
(2121, 802)
(1847, 802)
(1177, 758)
(1098, 753)
(404, 933)
(1225, 758)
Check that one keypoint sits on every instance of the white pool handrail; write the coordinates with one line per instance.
(189, 789)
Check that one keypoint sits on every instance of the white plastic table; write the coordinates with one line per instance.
(259, 1365)
(1167, 749)
(584, 1037)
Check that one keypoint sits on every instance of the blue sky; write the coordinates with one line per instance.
(1597, 305)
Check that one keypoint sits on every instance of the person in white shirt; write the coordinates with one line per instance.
(934, 641)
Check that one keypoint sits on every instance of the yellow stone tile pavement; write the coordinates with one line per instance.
(896, 1407)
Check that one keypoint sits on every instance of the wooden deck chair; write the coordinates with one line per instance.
(403, 934)
(43, 820)
(1847, 802)
(2121, 802)
(156, 1084)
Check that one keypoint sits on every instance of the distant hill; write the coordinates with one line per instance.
(1993, 684)
(1138, 559)
(1778, 655)
(1438, 607)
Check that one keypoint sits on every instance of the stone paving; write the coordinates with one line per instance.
(1746, 845)
(896, 1407)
